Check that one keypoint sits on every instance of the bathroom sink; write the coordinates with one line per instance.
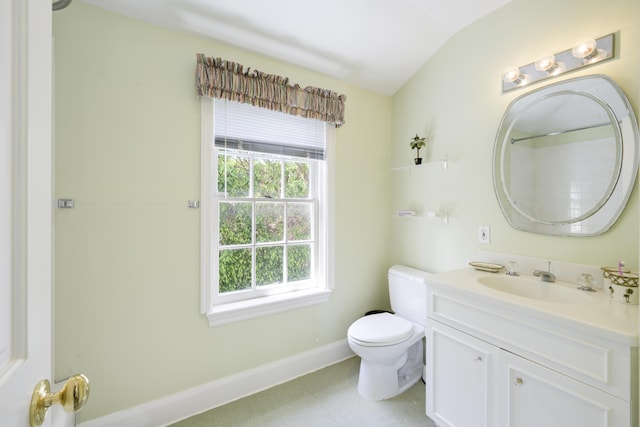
(535, 289)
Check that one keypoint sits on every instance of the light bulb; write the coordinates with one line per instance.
(547, 63)
(586, 50)
(513, 75)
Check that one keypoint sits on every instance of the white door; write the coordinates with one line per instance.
(25, 205)
(538, 396)
(458, 370)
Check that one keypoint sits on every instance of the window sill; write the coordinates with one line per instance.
(242, 310)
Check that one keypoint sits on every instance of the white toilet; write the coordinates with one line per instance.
(390, 345)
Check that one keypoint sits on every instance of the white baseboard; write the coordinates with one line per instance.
(199, 399)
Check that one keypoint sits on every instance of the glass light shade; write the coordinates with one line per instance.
(586, 49)
(547, 63)
(512, 75)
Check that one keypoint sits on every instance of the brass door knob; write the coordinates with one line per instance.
(73, 396)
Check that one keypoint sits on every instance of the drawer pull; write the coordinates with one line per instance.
(477, 359)
(518, 382)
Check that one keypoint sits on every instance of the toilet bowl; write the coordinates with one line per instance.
(391, 346)
(391, 352)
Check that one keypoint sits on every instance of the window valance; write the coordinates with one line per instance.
(217, 78)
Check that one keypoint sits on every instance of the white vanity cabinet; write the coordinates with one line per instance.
(491, 363)
(473, 383)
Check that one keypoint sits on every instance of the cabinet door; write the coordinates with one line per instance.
(458, 370)
(537, 396)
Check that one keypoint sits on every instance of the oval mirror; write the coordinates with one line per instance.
(566, 157)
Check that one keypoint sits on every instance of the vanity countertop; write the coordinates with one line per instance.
(598, 315)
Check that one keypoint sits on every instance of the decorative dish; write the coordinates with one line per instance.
(486, 266)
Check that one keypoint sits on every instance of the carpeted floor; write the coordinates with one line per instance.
(326, 398)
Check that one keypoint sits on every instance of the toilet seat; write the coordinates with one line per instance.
(380, 330)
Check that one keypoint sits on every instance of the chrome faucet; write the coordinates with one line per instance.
(545, 276)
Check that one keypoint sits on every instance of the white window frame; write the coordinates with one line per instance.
(219, 313)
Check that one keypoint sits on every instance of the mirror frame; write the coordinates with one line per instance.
(599, 218)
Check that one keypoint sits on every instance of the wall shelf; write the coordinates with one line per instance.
(440, 215)
(443, 216)
(443, 163)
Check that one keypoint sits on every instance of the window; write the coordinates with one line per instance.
(266, 211)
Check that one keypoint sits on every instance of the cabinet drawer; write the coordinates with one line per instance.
(605, 365)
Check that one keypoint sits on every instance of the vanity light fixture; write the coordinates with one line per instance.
(583, 54)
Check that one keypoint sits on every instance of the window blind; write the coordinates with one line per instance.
(245, 127)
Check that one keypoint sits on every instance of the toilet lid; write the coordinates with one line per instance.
(382, 328)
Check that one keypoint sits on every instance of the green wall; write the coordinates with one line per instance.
(127, 149)
(456, 99)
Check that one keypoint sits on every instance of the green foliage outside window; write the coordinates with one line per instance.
(235, 223)
(267, 181)
(269, 261)
(237, 178)
(274, 182)
(296, 178)
(298, 221)
(269, 222)
(235, 270)
(299, 262)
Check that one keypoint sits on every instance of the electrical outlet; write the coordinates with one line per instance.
(484, 234)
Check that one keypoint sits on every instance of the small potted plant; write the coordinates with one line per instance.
(417, 143)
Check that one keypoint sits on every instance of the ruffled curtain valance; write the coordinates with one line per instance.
(217, 78)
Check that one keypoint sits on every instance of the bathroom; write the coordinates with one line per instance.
(127, 126)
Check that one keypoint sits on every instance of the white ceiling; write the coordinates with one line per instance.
(373, 44)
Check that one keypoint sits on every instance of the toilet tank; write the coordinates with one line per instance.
(408, 293)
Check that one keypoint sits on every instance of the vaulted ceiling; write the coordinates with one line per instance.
(374, 44)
